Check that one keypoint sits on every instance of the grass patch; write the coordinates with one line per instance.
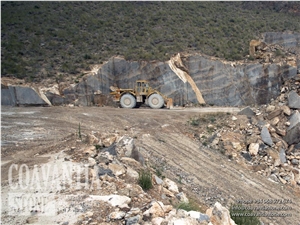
(159, 173)
(194, 121)
(98, 147)
(79, 132)
(145, 179)
(188, 206)
(237, 212)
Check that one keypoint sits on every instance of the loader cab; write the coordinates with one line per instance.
(142, 87)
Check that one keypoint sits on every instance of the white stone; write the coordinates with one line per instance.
(92, 161)
(275, 121)
(286, 110)
(129, 145)
(117, 169)
(182, 197)
(157, 220)
(132, 173)
(237, 145)
(118, 215)
(253, 148)
(194, 214)
(156, 210)
(115, 200)
(171, 185)
(220, 215)
(270, 108)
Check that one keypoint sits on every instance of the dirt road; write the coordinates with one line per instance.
(162, 136)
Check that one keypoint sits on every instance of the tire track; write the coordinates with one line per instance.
(232, 180)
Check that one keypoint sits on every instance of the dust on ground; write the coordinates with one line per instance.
(32, 135)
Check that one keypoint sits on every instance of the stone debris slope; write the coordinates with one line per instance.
(106, 190)
(267, 137)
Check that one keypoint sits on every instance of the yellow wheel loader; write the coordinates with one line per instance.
(142, 93)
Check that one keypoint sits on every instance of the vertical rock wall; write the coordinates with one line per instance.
(221, 83)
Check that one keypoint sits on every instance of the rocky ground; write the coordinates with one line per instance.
(95, 155)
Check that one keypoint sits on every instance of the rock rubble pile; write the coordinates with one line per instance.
(267, 137)
(116, 164)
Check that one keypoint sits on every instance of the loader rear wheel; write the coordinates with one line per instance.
(155, 101)
(128, 101)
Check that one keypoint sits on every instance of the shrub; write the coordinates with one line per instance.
(188, 206)
(145, 179)
(194, 121)
(237, 212)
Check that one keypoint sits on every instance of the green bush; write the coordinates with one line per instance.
(188, 206)
(237, 212)
(194, 121)
(145, 179)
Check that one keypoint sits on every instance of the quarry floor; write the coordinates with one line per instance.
(30, 134)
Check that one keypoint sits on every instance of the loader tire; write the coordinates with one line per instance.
(155, 101)
(128, 101)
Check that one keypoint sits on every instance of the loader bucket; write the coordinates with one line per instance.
(170, 103)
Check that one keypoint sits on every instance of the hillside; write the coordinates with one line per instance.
(54, 39)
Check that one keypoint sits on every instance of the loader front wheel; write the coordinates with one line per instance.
(128, 101)
(155, 101)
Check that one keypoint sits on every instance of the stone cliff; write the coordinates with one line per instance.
(195, 78)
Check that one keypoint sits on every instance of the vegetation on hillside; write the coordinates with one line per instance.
(51, 39)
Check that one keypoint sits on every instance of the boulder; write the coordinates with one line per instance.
(117, 169)
(157, 221)
(270, 108)
(247, 156)
(91, 139)
(23, 96)
(133, 220)
(108, 141)
(157, 209)
(286, 110)
(295, 118)
(247, 112)
(135, 154)
(103, 171)
(295, 161)
(293, 135)
(91, 162)
(265, 136)
(182, 197)
(199, 216)
(282, 156)
(115, 200)
(274, 113)
(171, 185)
(132, 173)
(220, 215)
(111, 150)
(129, 146)
(253, 148)
(117, 215)
(275, 121)
(157, 180)
(294, 100)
